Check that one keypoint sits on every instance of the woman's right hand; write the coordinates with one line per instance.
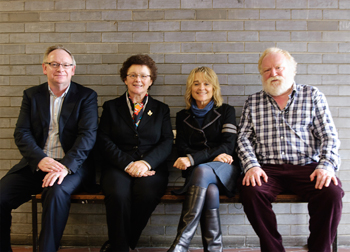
(182, 163)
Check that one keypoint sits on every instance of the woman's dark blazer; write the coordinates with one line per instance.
(217, 135)
(120, 143)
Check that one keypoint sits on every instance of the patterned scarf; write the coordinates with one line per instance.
(138, 110)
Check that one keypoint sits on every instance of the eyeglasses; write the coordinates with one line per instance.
(134, 76)
(57, 65)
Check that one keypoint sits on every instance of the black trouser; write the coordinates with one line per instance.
(129, 204)
(16, 188)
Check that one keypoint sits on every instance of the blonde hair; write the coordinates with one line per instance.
(289, 57)
(55, 47)
(211, 77)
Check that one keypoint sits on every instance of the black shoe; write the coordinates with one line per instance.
(106, 247)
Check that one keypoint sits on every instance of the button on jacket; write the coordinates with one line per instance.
(121, 144)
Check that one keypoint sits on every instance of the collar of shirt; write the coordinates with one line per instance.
(62, 96)
(291, 98)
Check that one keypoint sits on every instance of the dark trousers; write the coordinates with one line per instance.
(16, 188)
(129, 204)
(324, 206)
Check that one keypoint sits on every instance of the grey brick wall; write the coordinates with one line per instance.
(226, 35)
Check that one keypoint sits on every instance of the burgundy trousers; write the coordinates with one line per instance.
(325, 206)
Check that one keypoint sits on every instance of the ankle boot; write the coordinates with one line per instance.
(211, 231)
(190, 216)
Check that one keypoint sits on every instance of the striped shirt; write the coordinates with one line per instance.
(302, 133)
(53, 147)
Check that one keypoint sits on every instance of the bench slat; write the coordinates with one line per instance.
(169, 197)
(88, 198)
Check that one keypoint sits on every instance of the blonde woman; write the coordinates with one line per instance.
(206, 138)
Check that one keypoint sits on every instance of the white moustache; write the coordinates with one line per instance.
(271, 79)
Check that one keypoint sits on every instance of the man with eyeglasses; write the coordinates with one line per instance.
(287, 141)
(55, 131)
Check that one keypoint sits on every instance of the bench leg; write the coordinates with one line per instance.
(335, 243)
(35, 223)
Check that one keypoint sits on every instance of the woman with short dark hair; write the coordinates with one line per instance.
(135, 138)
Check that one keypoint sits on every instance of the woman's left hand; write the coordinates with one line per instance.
(139, 169)
(225, 158)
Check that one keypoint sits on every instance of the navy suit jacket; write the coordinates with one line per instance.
(120, 143)
(78, 123)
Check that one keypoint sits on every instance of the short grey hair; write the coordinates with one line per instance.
(55, 47)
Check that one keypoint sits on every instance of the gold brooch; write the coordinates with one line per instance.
(149, 112)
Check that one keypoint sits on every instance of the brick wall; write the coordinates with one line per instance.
(227, 35)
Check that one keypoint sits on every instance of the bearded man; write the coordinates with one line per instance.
(287, 141)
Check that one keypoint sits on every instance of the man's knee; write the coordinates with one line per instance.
(252, 194)
(249, 191)
(332, 194)
(55, 192)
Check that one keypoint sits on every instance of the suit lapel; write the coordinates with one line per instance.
(211, 117)
(190, 121)
(123, 110)
(67, 107)
(148, 112)
(42, 99)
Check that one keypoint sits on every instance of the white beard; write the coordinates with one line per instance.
(276, 86)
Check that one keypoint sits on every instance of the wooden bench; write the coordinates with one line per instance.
(85, 198)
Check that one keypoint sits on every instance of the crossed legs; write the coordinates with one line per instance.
(201, 204)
